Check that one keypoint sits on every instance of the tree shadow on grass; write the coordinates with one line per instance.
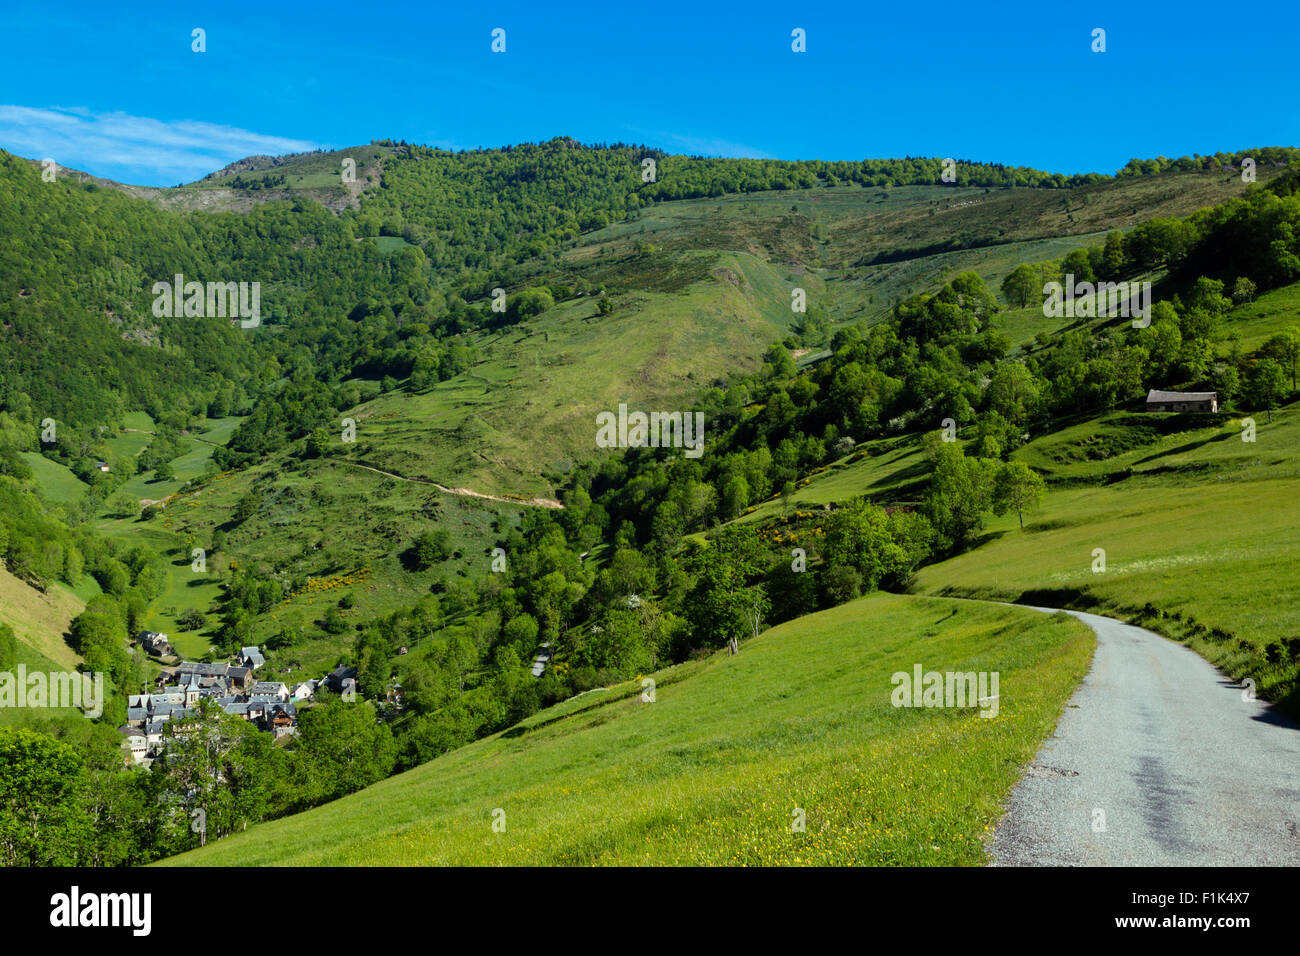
(1072, 598)
(1188, 446)
(917, 470)
(520, 729)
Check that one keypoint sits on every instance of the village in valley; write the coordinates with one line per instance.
(271, 705)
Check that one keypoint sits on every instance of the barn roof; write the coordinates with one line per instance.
(1158, 396)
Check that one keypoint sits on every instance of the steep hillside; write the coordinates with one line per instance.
(515, 422)
(1197, 524)
(1199, 531)
(39, 620)
(714, 770)
(705, 281)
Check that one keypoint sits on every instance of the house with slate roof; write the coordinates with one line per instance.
(282, 720)
(153, 736)
(155, 643)
(270, 689)
(338, 679)
(271, 705)
(188, 668)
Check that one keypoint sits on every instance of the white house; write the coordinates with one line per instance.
(134, 744)
(270, 688)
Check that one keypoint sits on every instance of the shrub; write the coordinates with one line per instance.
(191, 620)
(429, 547)
(333, 622)
(842, 584)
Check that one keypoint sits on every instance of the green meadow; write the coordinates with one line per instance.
(1200, 533)
(1272, 312)
(716, 768)
(890, 468)
(1199, 528)
(56, 481)
(39, 621)
(528, 409)
(183, 589)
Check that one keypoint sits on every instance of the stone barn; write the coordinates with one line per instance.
(1158, 401)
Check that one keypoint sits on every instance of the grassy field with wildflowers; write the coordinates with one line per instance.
(718, 767)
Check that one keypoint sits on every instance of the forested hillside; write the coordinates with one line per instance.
(367, 475)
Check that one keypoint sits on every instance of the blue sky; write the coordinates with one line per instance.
(115, 89)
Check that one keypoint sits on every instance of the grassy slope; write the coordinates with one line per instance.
(182, 589)
(40, 619)
(311, 176)
(894, 468)
(57, 482)
(711, 772)
(1205, 530)
(712, 293)
(1266, 316)
(1194, 521)
(530, 406)
(999, 228)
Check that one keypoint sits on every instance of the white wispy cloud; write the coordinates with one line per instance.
(700, 145)
(138, 148)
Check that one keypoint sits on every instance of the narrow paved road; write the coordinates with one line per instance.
(1157, 761)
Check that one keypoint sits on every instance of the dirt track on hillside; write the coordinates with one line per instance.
(464, 492)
